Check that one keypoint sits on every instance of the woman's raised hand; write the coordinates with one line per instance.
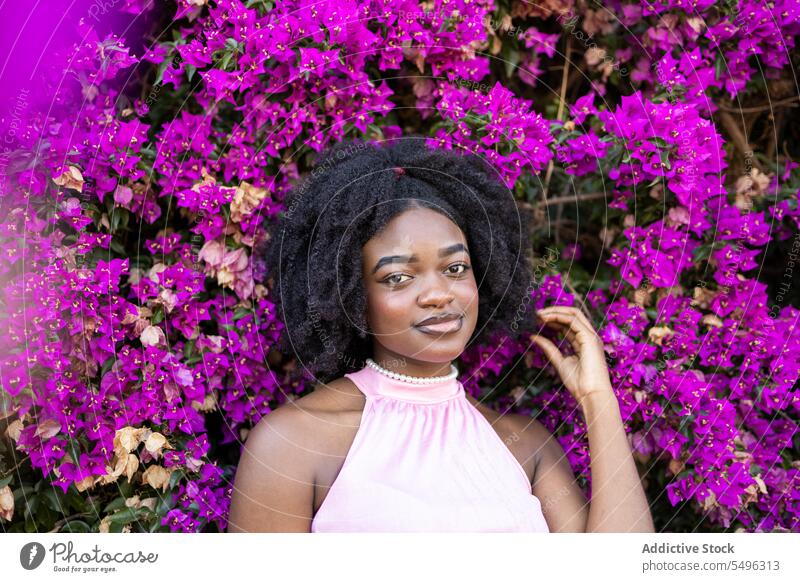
(585, 372)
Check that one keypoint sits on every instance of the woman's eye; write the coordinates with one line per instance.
(392, 279)
(456, 266)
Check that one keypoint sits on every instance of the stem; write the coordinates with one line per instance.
(572, 290)
(14, 468)
(561, 102)
(568, 199)
(759, 108)
(738, 137)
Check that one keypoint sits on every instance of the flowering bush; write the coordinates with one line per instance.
(137, 327)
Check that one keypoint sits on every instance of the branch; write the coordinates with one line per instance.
(580, 297)
(568, 199)
(738, 137)
(561, 101)
(789, 102)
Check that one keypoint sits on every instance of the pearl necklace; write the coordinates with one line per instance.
(413, 379)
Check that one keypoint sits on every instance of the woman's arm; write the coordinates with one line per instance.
(618, 500)
(274, 485)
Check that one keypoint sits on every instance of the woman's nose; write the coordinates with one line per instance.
(438, 291)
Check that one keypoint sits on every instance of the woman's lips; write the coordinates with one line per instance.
(441, 328)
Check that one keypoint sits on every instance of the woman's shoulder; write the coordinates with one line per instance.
(281, 459)
(333, 397)
(306, 420)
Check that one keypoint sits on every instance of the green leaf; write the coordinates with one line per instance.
(51, 499)
(118, 503)
(511, 61)
(107, 365)
(175, 477)
(115, 216)
(659, 141)
(6, 481)
(76, 526)
(240, 313)
(719, 67)
(226, 60)
(21, 493)
(117, 247)
(44, 515)
(31, 508)
(158, 317)
(564, 135)
(124, 516)
(665, 160)
(702, 252)
(162, 66)
(376, 130)
(163, 506)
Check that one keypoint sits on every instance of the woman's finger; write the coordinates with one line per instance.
(583, 334)
(582, 316)
(557, 326)
(585, 319)
(573, 313)
(550, 350)
(571, 310)
(565, 318)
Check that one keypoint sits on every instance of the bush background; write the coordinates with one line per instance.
(654, 142)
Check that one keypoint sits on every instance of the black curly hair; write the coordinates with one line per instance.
(353, 191)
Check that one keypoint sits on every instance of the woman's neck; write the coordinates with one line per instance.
(409, 366)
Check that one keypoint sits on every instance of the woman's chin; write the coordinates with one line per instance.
(439, 354)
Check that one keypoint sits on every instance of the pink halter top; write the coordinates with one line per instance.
(424, 459)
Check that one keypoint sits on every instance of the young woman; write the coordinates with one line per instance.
(388, 262)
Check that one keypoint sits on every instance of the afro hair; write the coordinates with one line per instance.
(313, 256)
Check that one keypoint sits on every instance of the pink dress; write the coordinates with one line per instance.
(424, 459)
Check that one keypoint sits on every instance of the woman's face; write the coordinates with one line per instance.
(417, 268)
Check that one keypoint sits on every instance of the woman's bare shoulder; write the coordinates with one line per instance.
(339, 395)
(300, 418)
(276, 476)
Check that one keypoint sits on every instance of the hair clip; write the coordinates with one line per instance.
(398, 171)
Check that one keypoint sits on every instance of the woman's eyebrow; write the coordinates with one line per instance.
(443, 252)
